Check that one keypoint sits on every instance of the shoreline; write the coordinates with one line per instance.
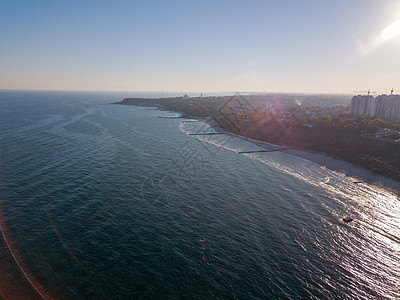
(359, 174)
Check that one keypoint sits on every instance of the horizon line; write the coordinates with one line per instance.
(178, 92)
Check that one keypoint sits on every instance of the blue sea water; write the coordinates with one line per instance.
(103, 201)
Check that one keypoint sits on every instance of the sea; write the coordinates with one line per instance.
(107, 201)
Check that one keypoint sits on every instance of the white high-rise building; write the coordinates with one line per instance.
(362, 105)
(388, 107)
(383, 106)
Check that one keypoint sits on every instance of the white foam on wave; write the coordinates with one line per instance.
(369, 204)
(339, 186)
(236, 144)
(219, 141)
(195, 126)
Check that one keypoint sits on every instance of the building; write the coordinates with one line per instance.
(383, 106)
(362, 105)
(388, 107)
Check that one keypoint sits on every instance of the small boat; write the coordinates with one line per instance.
(347, 219)
(357, 182)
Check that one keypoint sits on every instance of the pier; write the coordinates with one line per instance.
(209, 133)
(267, 150)
(169, 117)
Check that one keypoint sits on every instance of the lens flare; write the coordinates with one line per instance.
(41, 291)
(387, 34)
(391, 31)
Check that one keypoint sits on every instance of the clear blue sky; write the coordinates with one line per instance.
(200, 46)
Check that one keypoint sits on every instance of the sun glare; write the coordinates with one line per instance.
(387, 34)
(391, 31)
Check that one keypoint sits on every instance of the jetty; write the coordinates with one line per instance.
(208, 133)
(179, 117)
(267, 150)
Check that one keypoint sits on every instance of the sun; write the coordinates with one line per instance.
(391, 31)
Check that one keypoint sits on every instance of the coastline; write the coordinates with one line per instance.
(358, 174)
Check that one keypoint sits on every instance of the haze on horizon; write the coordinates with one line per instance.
(306, 46)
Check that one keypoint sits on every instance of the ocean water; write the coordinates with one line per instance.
(102, 201)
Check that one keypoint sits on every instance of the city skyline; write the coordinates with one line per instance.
(383, 106)
(224, 46)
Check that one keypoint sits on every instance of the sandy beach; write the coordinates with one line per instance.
(359, 174)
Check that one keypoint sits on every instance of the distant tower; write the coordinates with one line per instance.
(369, 91)
(391, 91)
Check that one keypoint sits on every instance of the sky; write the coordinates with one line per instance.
(308, 46)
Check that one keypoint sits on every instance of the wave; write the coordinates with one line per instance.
(276, 160)
(353, 199)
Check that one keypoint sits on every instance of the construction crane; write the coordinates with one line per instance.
(368, 92)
